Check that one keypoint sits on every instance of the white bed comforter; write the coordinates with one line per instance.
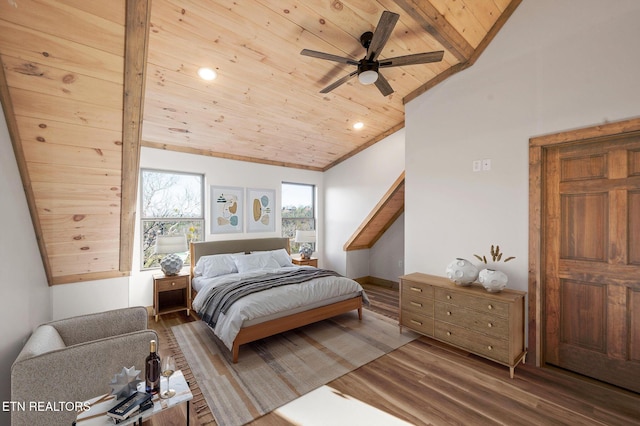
(269, 302)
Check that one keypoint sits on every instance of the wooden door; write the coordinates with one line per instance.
(591, 241)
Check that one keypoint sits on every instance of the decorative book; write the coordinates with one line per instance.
(137, 401)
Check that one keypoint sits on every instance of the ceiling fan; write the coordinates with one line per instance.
(368, 67)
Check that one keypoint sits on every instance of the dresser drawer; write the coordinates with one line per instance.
(478, 343)
(417, 322)
(173, 283)
(482, 304)
(490, 324)
(418, 305)
(416, 289)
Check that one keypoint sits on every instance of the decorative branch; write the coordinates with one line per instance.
(496, 255)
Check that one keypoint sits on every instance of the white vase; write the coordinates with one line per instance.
(493, 281)
(462, 272)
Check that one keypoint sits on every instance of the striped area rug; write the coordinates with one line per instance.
(278, 369)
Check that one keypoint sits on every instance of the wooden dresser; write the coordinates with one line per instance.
(490, 325)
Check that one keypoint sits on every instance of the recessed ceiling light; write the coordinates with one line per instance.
(359, 125)
(207, 73)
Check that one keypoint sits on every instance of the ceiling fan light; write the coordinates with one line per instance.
(207, 73)
(368, 77)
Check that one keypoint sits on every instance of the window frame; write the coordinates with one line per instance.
(144, 219)
(313, 218)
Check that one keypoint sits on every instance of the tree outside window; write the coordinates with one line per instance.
(298, 211)
(171, 204)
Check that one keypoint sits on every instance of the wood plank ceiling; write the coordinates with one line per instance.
(72, 69)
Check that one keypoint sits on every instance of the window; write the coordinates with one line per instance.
(172, 204)
(298, 211)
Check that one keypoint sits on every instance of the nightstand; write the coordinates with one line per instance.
(306, 262)
(171, 294)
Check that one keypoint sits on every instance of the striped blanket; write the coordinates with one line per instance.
(220, 298)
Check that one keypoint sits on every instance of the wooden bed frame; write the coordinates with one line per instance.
(278, 325)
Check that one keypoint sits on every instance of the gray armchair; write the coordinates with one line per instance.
(75, 359)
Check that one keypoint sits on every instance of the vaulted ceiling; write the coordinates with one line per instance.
(85, 84)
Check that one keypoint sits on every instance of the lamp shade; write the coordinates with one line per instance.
(171, 244)
(305, 237)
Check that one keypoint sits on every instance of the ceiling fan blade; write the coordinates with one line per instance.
(381, 34)
(339, 82)
(383, 85)
(418, 58)
(328, 56)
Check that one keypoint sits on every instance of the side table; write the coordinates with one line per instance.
(96, 415)
(313, 261)
(171, 294)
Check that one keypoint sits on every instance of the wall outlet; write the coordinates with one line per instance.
(477, 165)
(486, 164)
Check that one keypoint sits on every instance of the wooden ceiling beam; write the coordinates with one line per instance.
(136, 43)
(437, 25)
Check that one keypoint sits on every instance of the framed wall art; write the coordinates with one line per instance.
(261, 211)
(227, 208)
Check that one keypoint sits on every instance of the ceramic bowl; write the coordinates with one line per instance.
(493, 281)
(462, 272)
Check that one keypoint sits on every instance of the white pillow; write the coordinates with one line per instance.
(255, 262)
(215, 265)
(282, 257)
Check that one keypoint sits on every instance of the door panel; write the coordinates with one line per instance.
(634, 321)
(634, 227)
(584, 315)
(592, 259)
(584, 225)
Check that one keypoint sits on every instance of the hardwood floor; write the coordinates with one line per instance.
(429, 383)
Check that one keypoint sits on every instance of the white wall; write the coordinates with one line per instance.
(352, 189)
(555, 66)
(386, 257)
(26, 300)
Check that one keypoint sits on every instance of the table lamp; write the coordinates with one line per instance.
(171, 264)
(306, 238)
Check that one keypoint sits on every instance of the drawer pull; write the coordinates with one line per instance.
(490, 325)
(490, 347)
(416, 322)
(490, 307)
(173, 283)
(449, 296)
(448, 333)
(417, 304)
(448, 312)
(418, 289)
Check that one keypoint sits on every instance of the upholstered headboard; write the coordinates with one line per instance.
(206, 248)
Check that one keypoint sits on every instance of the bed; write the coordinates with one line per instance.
(294, 296)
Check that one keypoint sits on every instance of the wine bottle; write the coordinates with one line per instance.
(152, 370)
